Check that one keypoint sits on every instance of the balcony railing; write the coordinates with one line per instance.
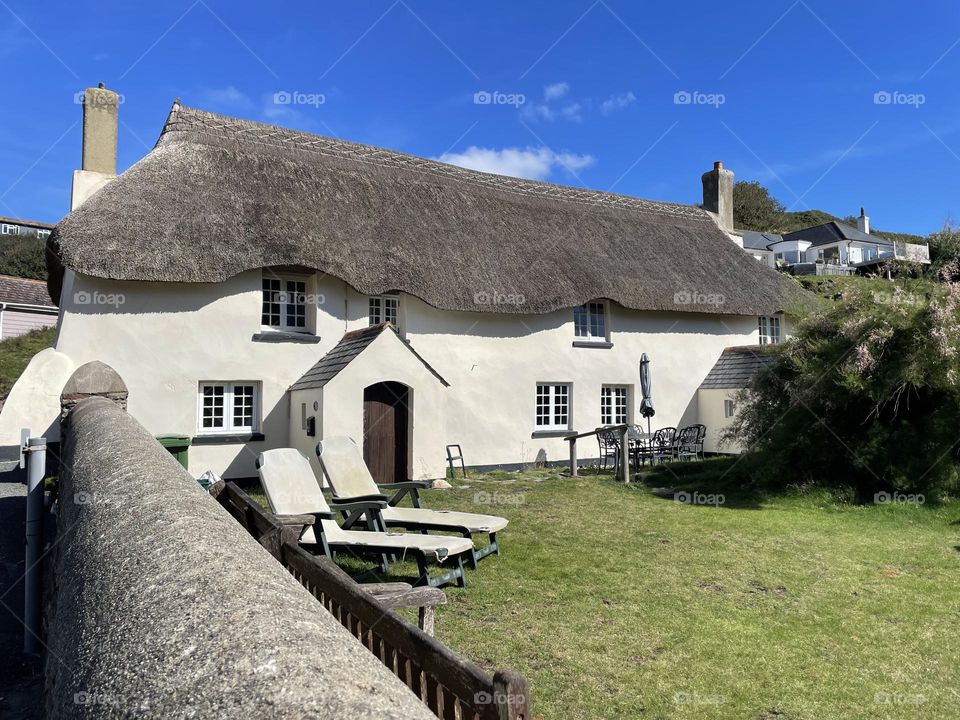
(911, 251)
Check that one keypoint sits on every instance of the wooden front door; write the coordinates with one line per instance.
(386, 416)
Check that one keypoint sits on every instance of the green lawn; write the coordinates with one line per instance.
(617, 603)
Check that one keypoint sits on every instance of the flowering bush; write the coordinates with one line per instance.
(867, 393)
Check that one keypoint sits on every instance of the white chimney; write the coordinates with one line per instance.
(99, 166)
(863, 223)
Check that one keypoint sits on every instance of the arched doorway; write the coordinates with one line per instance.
(386, 431)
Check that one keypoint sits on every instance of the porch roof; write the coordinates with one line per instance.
(737, 366)
(351, 344)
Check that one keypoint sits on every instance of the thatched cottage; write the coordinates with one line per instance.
(258, 287)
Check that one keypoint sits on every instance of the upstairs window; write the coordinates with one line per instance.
(9, 229)
(284, 303)
(43, 234)
(769, 330)
(613, 405)
(590, 322)
(229, 407)
(553, 406)
(384, 308)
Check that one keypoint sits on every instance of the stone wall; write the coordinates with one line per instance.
(163, 607)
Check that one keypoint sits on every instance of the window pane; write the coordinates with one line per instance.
(270, 313)
(376, 311)
(390, 306)
(243, 406)
(597, 321)
(212, 406)
(560, 405)
(295, 298)
(581, 321)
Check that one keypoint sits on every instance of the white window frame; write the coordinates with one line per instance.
(287, 322)
(229, 428)
(554, 393)
(729, 408)
(611, 405)
(585, 329)
(771, 329)
(380, 308)
(9, 229)
(43, 234)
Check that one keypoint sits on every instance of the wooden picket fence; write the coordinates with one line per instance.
(453, 687)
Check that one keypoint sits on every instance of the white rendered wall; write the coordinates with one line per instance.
(164, 338)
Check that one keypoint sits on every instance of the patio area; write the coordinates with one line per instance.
(617, 603)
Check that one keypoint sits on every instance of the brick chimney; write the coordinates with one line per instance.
(863, 223)
(718, 195)
(99, 166)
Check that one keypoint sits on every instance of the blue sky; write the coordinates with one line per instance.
(832, 105)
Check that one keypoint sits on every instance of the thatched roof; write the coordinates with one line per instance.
(218, 196)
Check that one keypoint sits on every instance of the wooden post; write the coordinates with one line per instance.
(573, 457)
(511, 695)
(625, 453)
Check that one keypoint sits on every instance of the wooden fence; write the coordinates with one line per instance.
(452, 687)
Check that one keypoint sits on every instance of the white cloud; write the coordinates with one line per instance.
(556, 91)
(617, 102)
(530, 163)
(227, 97)
(573, 112)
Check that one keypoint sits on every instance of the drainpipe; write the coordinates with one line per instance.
(34, 451)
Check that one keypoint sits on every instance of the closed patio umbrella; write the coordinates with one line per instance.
(646, 389)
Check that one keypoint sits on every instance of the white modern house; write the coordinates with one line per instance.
(832, 248)
(258, 287)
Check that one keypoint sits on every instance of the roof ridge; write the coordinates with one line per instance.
(182, 119)
(20, 277)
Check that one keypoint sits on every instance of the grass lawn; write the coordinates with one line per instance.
(616, 603)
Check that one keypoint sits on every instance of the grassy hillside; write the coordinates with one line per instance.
(23, 256)
(16, 352)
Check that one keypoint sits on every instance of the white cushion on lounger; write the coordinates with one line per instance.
(349, 477)
(292, 489)
(471, 521)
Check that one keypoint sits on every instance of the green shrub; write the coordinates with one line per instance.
(865, 395)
